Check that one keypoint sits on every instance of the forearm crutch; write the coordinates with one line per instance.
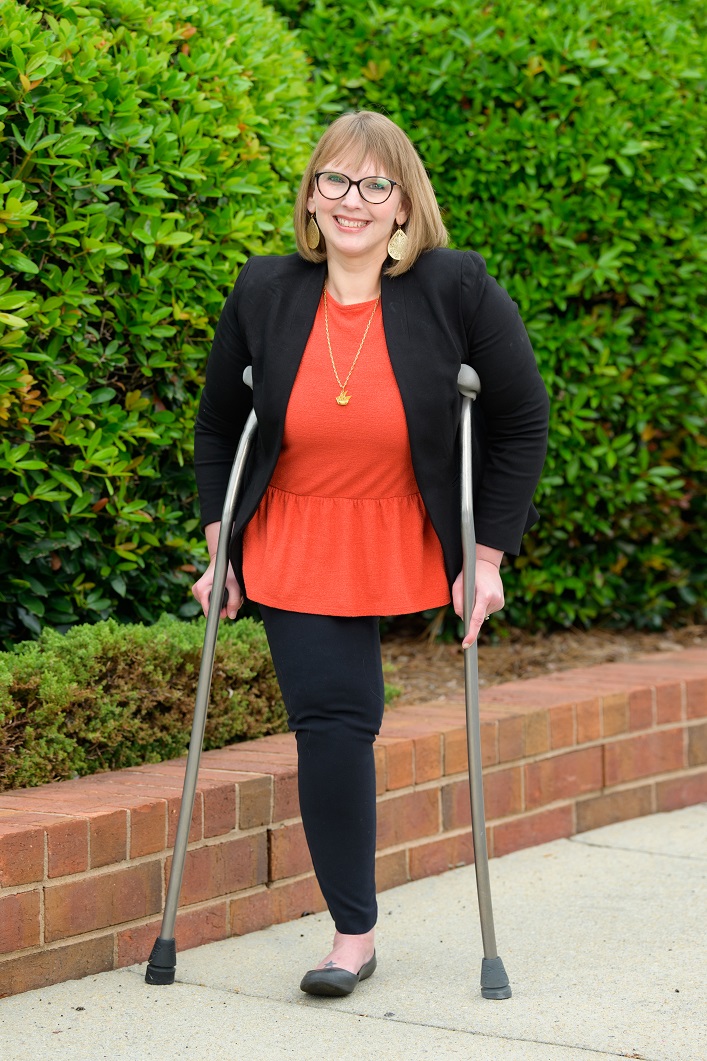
(162, 962)
(494, 981)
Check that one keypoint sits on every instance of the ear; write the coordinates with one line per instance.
(311, 206)
(402, 215)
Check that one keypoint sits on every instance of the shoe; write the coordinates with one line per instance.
(336, 981)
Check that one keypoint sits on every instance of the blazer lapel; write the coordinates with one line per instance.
(286, 355)
(397, 336)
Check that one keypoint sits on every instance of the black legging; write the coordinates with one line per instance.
(331, 676)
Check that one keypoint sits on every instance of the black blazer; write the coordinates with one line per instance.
(444, 311)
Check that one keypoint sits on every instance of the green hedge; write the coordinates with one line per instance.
(146, 150)
(566, 145)
(110, 695)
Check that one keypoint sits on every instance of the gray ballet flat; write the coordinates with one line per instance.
(335, 981)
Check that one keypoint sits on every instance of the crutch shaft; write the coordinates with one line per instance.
(471, 681)
(162, 962)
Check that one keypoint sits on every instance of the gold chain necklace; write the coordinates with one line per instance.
(343, 398)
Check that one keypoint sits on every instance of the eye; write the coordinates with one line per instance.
(334, 178)
(376, 184)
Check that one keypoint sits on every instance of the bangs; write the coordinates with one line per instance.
(355, 138)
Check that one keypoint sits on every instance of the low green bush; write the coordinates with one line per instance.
(110, 695)
(146, 150)
(566, 145)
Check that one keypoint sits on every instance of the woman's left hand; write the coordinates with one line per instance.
(488, 597)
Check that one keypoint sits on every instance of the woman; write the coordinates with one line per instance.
(351, 508)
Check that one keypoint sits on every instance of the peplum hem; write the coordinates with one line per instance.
(381, 556)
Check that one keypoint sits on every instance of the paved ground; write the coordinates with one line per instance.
(603, 937)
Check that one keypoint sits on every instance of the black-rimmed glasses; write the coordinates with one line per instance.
(334, 185)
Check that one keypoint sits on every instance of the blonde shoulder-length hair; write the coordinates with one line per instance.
(368, 135)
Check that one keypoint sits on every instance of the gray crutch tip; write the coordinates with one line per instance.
(494, 980)
(162, 963)
(468, 381)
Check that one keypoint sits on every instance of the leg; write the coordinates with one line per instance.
(330, 673)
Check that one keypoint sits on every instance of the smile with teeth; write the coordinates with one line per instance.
(345, 222)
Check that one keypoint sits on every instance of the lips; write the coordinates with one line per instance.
(350, 224)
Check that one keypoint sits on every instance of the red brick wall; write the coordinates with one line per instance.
(84, 864)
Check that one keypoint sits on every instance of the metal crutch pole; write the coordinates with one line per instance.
(162, 962)
(494, 981)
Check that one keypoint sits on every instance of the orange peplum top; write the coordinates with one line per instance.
(342, 528)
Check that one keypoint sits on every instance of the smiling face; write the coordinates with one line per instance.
(351, 226)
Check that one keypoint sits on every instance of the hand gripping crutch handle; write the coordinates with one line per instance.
(494, 981)
(163, 958)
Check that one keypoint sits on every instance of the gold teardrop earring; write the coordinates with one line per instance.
(313, 233)
(398, 244)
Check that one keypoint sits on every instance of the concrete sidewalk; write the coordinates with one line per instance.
(603, 937)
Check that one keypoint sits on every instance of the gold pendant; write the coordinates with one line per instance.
(343, 398)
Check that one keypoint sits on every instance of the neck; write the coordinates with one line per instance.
(352, 282)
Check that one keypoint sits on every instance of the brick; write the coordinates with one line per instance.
(489, 741)
(562, 726)
(251, 913)
(511, 739)
(108, 838)
(696, 705)
(255, 802)
(437, 856)
(193, 928)
(54, 965)
(398, 761)
(428, 758)
(456, 806)
(503, 792)
(640, 709)
(613, 807)
(455, 754)
(614, 713)
(19, 921)
(221, 868)
(631, 758)
(532, 829)
(21, 854)
(288, 852)
(407, 817)
(148, 828)
(588, 713)
(67, 847)
(697, 744)
(391, 870)
(379, 757)
(564, 775)
(293, 899)
(537, 733)
(102, 900)
(677, 792)
(285, 801)
(668, 703)
(219, 810)
(196, 824)
(502, 796)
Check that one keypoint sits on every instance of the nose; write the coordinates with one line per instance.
(353, 197)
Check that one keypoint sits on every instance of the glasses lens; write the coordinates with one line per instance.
(375, 189)
(333, 185)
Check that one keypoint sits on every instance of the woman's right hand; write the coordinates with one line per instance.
(202, 591)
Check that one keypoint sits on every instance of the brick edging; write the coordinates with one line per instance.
(84, 863)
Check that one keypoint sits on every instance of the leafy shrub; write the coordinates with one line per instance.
(145, 152)
(109, 695)
(566, 145)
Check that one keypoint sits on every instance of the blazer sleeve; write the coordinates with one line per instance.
(514, 407)
(225, 404)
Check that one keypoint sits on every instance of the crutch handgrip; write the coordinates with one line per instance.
(468, 382)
